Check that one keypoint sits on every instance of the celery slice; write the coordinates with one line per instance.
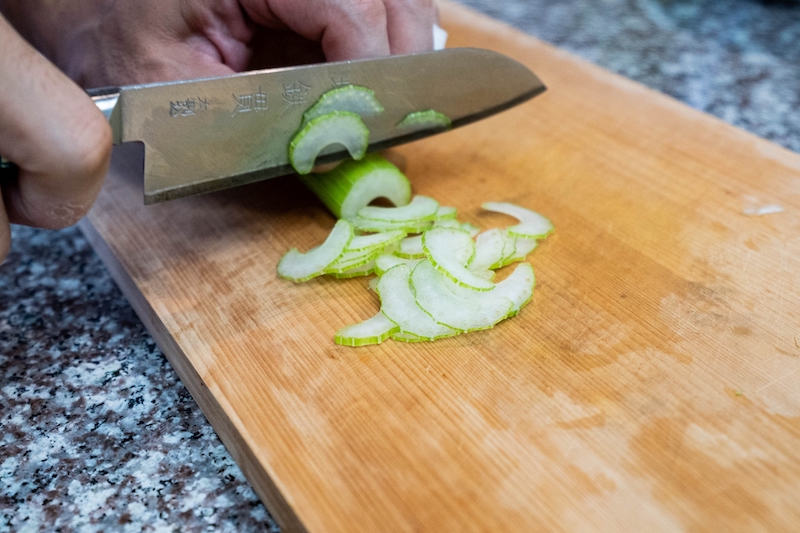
(364, 270)
(373, 330)
(407, 337)
(471, 229)
(375, 240)
(351, 260)
(421, 208)
(408, 226)
(299, 267)
(428, 119)
(446, 212)
(399, 305)
(489, 247)
(450, 250)
(434, 297)
(386, 261)
(411, 248)
(532, 225)
(522, 247)
(355, 184)
(352, 98)
(447, 223)
(509, 248)
(453, 242)
(517, 287)
(337, 127)
(373, 285)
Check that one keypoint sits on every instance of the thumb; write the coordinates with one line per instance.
(51, 129)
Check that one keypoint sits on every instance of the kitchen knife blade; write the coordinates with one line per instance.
(209, 134)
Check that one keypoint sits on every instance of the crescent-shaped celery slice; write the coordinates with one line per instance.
(299, 267)
(517, 287)
(421, 208)
(448, 308)
(352, 98)
(400, 306)
(337, 127)
(373, 330)
(531, 225)
(450, 250)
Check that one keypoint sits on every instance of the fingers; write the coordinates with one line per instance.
(346, 29)
(410, 25)
(352, 29)
(53, 132)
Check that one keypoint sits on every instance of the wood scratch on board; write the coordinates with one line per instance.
(780, 378)
(747, 260)
(719, 348)
(782, 288)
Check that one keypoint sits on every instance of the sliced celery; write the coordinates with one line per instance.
(399, 305)
(420, 209)
(386, 261)
(471, 229)
(489, 247)
(446, 212)
(404, 336)
(364, 270)
(351, 260)
(375, 241)
(517, 287)
(408, 226)
(411, 248)
(532, 225)
(337, 127)
(298, 267)
(432, 295)
(428, 119)
(374, 330)
(355, 184)
(522, 247)
(450, 250)
(353, 98)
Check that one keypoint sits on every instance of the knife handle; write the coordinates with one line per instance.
(105, 98)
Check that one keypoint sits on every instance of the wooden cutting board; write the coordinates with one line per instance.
(653, 383)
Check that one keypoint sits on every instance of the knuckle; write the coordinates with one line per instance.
(92, 151)
(60, 215)
(369, 13)
(420, 7)
(70, 191)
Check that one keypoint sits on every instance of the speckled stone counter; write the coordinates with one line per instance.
(97, 432)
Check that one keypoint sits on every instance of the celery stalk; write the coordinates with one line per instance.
(355, 184)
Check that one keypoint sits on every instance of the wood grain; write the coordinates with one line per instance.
(653, 384)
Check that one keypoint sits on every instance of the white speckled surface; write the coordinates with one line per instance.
(97, 432)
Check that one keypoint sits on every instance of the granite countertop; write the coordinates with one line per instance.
(97, 432)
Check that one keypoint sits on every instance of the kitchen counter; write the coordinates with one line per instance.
(98, 433)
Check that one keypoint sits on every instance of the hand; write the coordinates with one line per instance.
(61, 142)
(116, 42)
(54, 133)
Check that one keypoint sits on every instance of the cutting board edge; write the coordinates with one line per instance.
(225, 429)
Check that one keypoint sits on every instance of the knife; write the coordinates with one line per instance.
(210, 134)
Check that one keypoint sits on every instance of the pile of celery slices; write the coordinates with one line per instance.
(435, 275)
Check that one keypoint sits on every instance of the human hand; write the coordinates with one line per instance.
(62, 143)
(56, 136)
(116, 42)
